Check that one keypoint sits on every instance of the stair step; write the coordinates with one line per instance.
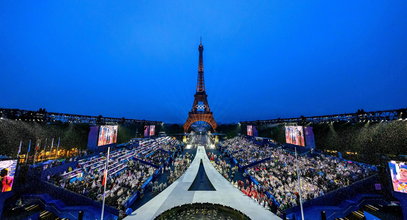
(46, 215)
(358, 214)
(371, 207)
(32, 207)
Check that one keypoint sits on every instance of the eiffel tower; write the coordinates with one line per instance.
(200, 109)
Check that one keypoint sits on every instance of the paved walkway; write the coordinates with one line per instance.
(177, 194)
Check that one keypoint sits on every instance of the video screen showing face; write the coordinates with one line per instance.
(294, 135)
(107, 135)
(7, 172)
(152, 130)
(398, 172)
(249, 130)
(146, 130)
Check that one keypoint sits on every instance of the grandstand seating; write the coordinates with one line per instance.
(264, 171)
(129, 171)
(273, 169)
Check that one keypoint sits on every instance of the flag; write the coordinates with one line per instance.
(104, 182)
(29, 146)
(19, 148)
(104, 178)
(37, 145)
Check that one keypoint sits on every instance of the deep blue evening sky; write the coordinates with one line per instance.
(263, 59)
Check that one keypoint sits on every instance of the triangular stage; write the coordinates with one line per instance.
(201, 182)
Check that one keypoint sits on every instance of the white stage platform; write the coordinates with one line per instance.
(177, 194)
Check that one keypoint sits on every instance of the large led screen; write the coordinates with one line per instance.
(107, 134)
(398, 172)
(7, 172)
(152, 130)
(294, 135)
(255, 133)
(309, 137)
(93, 137)
(146, 130)
(249, 130)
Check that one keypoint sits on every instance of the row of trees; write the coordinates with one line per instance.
(71, 135)
(12, 132)
(367, 138)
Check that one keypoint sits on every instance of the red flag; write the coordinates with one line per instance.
(104, 178)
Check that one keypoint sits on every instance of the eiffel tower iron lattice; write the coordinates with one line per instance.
(200, 108)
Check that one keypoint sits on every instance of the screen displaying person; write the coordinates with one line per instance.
(399, 176)
(300, 138)
(6, 180)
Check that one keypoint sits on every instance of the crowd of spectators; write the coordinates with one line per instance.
(222, 166)
(157, 158)
(319, 175)
(119, 187)
(256, 192)
(128, 169)
(245, 151)
(278, 174)
(177, 167)
(169, 144)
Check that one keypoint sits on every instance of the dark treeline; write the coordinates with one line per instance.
(11, 132)
(173, 129)
(367, 138)
(230, 130)
(72, 135)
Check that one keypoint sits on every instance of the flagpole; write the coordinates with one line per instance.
(45, 145)
(29, 148)
(19, 150)
(105, 182)
(52, 145)
(299, 184)
(35, 149)
(59, 139)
